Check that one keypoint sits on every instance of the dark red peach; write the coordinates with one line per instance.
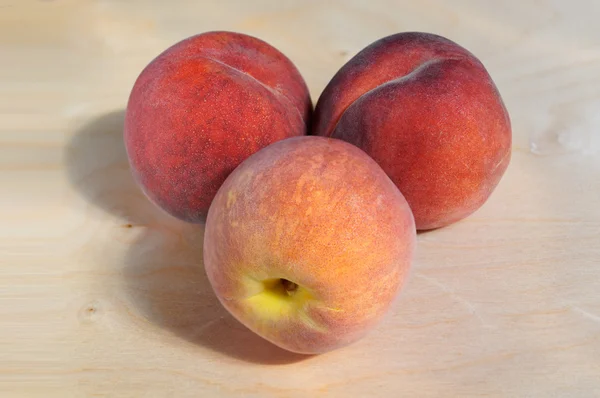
(429, 113)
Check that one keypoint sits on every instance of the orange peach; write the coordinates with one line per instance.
(203, 106)
(308, 242)
(429, 113)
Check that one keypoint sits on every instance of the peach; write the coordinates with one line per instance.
(203, 106)
(308, 242)
(429, 113)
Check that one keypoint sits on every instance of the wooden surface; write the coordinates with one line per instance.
(102, 295)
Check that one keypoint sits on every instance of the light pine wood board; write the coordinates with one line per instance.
(103, 295)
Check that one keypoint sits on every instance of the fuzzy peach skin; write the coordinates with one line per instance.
(308, 242)
(202, 107)
(429, 113)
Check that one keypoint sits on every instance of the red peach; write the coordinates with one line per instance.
(202, 107)
(428, 112)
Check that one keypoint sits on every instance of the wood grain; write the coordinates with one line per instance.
(103, 295)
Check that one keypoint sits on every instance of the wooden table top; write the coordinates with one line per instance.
(103, 295)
